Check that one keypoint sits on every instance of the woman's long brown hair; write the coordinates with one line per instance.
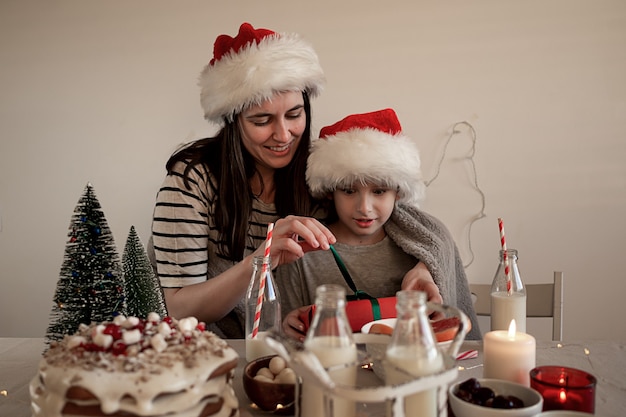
(233, 166)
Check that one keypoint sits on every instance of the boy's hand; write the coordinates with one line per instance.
(293, 326)
(420, 279)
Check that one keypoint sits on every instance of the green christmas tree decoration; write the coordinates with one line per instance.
(143, 290)
(90, 286)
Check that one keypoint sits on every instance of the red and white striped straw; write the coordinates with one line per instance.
(468, 354)
(259, 300)
(505, 256)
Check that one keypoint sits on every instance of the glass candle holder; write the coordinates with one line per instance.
(564, 388)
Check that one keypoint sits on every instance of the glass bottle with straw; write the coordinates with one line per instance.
(262, 304)
(508, 295)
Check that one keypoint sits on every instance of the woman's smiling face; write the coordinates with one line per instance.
(271, 131)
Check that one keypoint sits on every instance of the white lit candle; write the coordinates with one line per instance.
(509, 355)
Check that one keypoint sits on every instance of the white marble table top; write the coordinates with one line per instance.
(606, 360)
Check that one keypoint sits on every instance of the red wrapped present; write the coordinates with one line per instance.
(361, 312)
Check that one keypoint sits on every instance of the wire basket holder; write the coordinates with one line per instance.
(375, 396)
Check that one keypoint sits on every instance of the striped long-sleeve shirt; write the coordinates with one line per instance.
(186, 240)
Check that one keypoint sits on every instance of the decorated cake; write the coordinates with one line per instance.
(133, 367)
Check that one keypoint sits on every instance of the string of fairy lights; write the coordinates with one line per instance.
(585, 351)
(458, 129)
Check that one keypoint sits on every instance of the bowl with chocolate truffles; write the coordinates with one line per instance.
(481, 397)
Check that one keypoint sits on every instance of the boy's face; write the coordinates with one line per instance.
(362, 211)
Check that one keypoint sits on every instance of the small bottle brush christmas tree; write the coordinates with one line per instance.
(90, 286)
(143, 290)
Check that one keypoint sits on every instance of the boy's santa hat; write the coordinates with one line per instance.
(367, 147)
(252, 67)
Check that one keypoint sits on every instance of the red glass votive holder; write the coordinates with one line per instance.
(564, 388)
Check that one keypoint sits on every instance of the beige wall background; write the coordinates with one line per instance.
(103, 92)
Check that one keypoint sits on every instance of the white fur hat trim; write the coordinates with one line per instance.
(366, 155)
(278, 63)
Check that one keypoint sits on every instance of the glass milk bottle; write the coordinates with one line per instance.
(413, 352)
(508, 304)
(262, 309)
(330, 339)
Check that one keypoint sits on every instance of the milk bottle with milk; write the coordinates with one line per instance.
(413, 353)
(330, 339)
(262, 308)
(508, 295)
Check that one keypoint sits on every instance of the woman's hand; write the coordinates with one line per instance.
(293, 326)
(293, 236)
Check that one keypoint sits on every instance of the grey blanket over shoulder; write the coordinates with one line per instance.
(427, 238)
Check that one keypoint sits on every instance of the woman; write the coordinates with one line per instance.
(212, 211)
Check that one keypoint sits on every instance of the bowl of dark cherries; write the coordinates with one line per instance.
(477, 397)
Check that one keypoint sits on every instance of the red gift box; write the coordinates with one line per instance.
(360, 312)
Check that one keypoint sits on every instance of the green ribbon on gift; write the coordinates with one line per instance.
(358, 294)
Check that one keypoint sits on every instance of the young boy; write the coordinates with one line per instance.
(369, 172)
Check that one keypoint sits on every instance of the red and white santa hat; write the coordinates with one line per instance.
(368, 147)
(252, 67)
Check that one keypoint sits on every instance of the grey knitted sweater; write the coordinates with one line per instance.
(426, 238)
